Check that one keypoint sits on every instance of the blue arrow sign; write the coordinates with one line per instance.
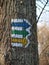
(23, 24)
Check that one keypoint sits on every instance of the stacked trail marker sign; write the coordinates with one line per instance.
(20, 30)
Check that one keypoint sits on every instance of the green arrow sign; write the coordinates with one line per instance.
(22, 32)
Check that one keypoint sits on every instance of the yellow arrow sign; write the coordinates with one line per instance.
(19, 40)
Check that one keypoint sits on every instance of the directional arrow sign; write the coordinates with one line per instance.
(23, 24)
(20, 30)
(19, 40)
(23, 32)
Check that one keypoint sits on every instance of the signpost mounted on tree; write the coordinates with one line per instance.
(20, 32)
(23, 32)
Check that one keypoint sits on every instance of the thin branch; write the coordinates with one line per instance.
(42, 11)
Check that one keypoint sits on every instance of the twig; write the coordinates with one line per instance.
(42, 11)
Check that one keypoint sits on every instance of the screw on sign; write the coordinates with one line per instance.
(20, 30)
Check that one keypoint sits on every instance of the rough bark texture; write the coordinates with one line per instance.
(43, 39)
(13, 9)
